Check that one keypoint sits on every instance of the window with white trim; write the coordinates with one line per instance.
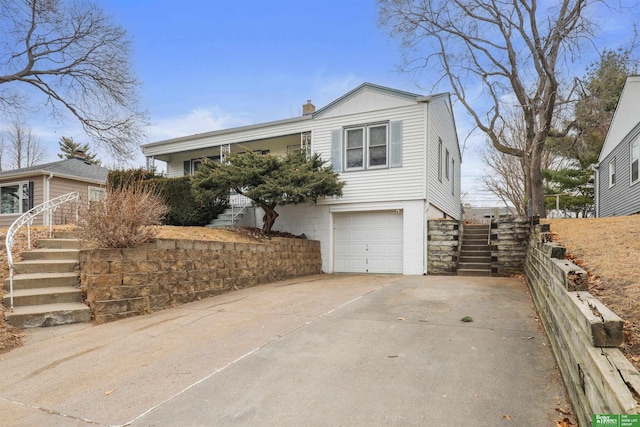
(634, 159)
(366, 147)
(96, 194)
(16, 198)
(453, 176)
(612, 172)
(446, 164)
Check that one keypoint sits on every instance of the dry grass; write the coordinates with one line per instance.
(609, 249)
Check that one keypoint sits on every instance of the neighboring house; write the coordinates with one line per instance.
(22, 189)
(397, 152)
(617, 173)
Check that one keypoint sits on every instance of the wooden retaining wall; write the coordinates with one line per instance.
(584, 333)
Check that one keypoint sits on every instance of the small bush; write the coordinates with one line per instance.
(178, 194)
(123, 218)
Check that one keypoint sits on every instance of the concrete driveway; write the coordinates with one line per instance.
(324, 350)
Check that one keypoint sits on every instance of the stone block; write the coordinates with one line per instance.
(135, 279)
(102, 280)
(106, 254)
(134, 254)
(184, 244)
(165, 244)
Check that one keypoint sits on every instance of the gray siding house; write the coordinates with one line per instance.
(617, 173)
(24, 188)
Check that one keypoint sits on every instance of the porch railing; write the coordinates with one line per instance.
(48, 208)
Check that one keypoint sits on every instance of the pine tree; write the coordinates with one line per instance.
(269, 180)
(70, 149)
(601, 88)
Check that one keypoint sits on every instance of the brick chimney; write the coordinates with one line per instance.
(79, 154)
(308, 108)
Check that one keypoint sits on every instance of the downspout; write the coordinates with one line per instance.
(425, 229)
(47, 196)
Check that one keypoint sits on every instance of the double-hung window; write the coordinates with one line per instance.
(366, 146)
(612, 172)
(634, 159)
(16, 198)
(446, 164)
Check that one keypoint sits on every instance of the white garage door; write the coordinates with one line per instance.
(368, 242)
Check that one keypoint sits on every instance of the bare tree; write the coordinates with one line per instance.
(506, 174)
(74, 60)
(2, 150)
(496, 53)
(22, 147)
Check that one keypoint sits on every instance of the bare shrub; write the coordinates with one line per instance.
(124, 218)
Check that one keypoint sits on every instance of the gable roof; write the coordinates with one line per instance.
(187, 143)
(625, 119)
(412, 97)
(73, 168)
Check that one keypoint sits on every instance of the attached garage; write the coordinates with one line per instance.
(368, 242)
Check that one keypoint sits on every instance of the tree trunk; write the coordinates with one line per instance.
(269, 218)
(537, 189)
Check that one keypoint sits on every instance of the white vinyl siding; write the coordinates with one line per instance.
(403, 179)
(442, 129)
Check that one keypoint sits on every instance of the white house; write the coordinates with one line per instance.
(617, 177)
(397, 152)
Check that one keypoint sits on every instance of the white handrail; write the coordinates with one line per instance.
(238, 204)
(27, 218)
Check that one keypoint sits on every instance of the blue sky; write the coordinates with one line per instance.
(211, 64)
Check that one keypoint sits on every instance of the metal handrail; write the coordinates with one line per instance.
(238, 204)
(27, 218)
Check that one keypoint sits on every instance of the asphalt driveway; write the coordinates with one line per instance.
(324, 350)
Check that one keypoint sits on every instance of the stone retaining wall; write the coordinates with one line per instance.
(509, 242)
(442, 246)
(583, 332)
(126, 282)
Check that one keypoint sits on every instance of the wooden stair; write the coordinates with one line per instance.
(475, 251)
(45, 285)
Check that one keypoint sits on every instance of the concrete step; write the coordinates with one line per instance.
(474, 266)
(58, 243)
(35, 316)
(42, 280)
(472, 272)
(482, 241)
(39, 296)
(483, 259)
(46, 266)
(468, 247)
(49, 254)
(65, 235)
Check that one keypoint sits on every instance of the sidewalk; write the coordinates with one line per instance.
(321, 350)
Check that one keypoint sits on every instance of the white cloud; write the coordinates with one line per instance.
(198, 120)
